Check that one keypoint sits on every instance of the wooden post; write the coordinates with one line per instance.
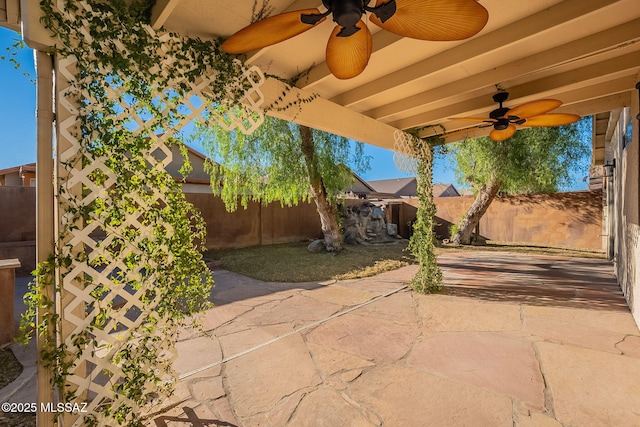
(65, 296)
(44, 207)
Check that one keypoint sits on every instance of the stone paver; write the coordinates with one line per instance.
(514, 340)
(591, 387)
(574, 333)
(397, 308)
(630, 346)
(260, 379)
(374, 339)
(404, 397)
(330, 409)
(498, 362)
(445, 313)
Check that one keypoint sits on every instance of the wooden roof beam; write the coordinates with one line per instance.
(324, 115)
(570, 51)
(10, 15)
(586, 101)
(584, 76)
(498, 39)
(161, 12)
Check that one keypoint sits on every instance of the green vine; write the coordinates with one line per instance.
(11, 56)
(117, 53)
(428, 279)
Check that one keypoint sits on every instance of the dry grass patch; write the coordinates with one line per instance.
(291, 262)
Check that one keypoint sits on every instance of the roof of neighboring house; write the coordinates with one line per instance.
(391, 186)
(29, 167)
(398, 186)
(198, 174)
(196, 152)
(360, 186)
(445, 190)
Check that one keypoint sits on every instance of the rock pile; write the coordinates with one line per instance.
(365, 224)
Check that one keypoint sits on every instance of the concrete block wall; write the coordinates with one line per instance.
(18, 226)
(571, 219)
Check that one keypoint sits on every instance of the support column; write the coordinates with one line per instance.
(44, 207)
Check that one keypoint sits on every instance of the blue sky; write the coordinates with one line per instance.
(18, 120)
(17, 105)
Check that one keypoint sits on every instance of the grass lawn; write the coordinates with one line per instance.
(291, 262)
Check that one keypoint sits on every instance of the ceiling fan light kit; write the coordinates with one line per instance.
(435, 20)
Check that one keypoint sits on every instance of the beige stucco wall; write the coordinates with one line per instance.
(625, 221)
(561, 219)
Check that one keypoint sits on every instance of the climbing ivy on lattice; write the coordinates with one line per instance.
(127, 269)
(415, 155)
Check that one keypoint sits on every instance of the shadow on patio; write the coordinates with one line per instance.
(515, 340)
(533, 280)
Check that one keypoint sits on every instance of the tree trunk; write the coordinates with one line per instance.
(327, 212)
(477, 209)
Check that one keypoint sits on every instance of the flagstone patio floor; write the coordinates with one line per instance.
(514, 340)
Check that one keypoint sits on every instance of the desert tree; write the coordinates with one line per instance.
(534, 160)
(284, 162)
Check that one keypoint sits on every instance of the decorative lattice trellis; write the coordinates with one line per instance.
(102, 300)
(407, 150)
(415, 156)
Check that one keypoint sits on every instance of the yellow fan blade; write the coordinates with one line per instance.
(474, 119)
(436, 20)
(556, 119)
(348, 56)
(269, 31)
(533, 108)
(501, 135)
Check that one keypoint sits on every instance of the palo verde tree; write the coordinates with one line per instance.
(284, 162)
(534, 160)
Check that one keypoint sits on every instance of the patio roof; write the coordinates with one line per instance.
(582, 52)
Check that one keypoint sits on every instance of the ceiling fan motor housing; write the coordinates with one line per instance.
(346, 13)
(498, 113)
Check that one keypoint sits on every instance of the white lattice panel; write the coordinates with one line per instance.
(403, 155)
(121, 308)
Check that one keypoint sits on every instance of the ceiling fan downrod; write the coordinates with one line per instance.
(498, 114)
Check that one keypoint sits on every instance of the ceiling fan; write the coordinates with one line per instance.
(349, 46)
(529, 114)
